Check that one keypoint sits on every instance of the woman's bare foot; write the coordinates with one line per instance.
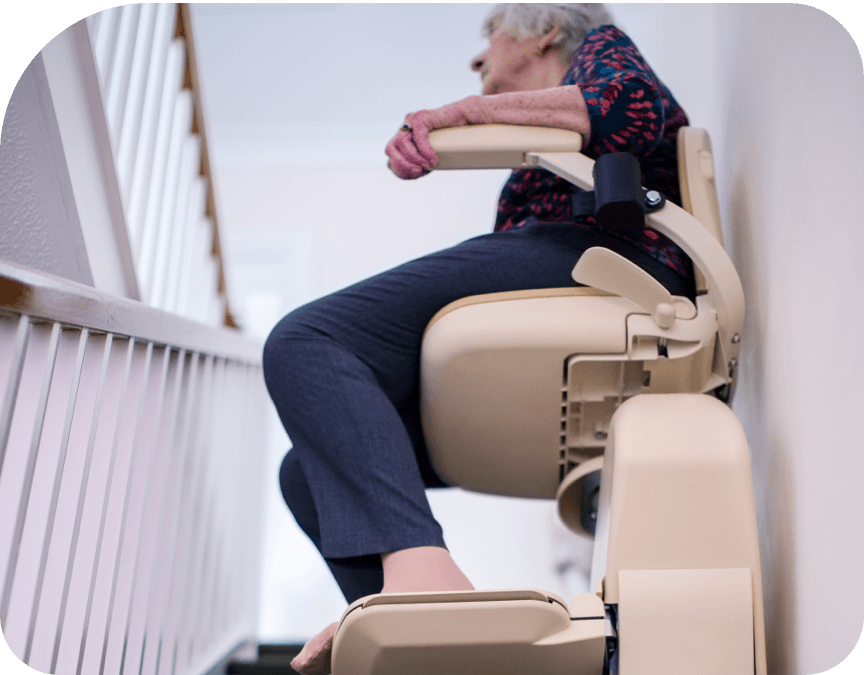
(425, 568)
(314, 658)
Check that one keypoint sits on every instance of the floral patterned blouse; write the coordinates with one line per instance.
(630, 110)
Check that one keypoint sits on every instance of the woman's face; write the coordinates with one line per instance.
(509, 64)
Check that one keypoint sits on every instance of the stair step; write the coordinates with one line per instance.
(288, 650)
(258, 668)
(274, 659)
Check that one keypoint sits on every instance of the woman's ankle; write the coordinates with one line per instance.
(423, 568)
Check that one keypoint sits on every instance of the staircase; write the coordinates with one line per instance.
(132, 412)
(274, 659)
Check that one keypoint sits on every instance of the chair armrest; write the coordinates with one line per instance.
(498, 146)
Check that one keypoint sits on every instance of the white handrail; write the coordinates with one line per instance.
(45, 296)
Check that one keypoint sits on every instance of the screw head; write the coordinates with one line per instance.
(652, 198)
(736, 339)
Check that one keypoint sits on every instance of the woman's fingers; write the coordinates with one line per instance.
(404, 158)
(410, 153)
(421, 124)
(404, 167)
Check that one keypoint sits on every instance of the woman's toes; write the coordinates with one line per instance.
(314, 658)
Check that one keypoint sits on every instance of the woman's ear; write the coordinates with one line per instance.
(547, 40)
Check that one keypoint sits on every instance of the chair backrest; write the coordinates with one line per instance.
(698, 188)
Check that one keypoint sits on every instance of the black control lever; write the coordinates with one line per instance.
(618, 201)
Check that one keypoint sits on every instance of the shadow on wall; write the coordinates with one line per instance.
(771, 462)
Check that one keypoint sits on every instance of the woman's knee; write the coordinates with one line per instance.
(291, 477)
(280, 350)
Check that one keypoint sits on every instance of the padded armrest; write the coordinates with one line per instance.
(498, 146)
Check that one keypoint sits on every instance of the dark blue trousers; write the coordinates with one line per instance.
(343, 374)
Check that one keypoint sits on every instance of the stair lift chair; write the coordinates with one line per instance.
(532, 393)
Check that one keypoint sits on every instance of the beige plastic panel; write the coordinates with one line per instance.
(698, 189)
(678, 494)
(498, 146)
(598, 267)
(690, 374)
(686, 622)
(696, 177)
(492, 374)
(481, 633)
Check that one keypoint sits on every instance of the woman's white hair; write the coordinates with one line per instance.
(532, 20)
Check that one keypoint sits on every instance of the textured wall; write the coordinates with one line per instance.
(39, 225)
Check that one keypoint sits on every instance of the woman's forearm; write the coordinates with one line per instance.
(560, 107)
(411, 155)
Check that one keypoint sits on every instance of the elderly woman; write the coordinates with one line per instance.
(343, 370)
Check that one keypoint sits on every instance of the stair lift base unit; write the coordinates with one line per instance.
(676, 540)
(681, 572)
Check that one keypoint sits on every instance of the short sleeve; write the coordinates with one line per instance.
(626, 103)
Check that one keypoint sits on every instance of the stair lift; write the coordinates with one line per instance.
(532, 393)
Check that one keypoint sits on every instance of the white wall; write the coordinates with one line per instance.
(780, 89)
(40, 225)
(798, 216)
(59, 201)
(72, 78)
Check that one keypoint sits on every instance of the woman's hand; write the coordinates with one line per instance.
(410, 152)
(407, 160)
(411, 155)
